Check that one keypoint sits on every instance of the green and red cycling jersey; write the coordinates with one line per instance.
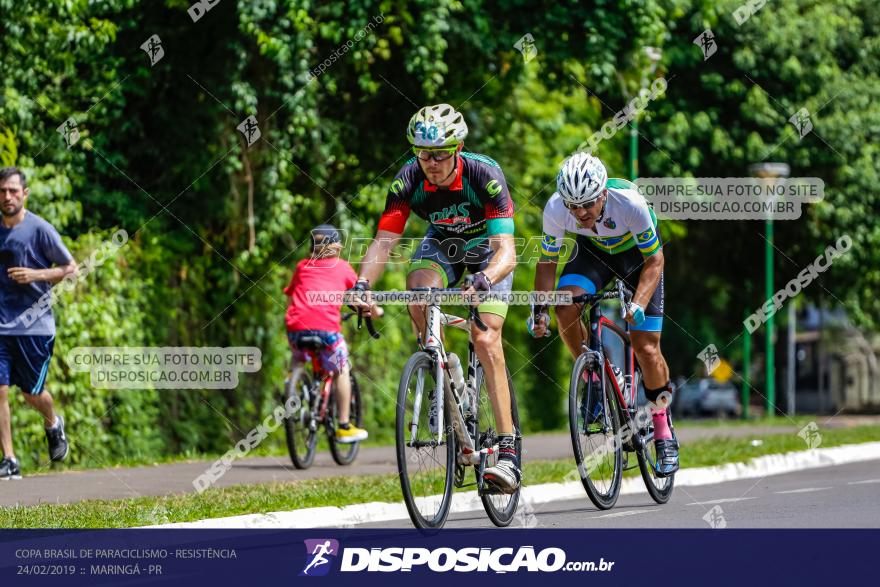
(476, 205)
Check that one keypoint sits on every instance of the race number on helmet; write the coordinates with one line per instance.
(436, 126)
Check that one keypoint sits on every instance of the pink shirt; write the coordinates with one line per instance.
(316, 275)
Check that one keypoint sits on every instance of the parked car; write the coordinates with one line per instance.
(706, 397)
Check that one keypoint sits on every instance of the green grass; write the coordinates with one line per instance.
(275, 446)
(339, 491)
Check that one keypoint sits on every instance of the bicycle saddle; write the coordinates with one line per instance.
(310, 342)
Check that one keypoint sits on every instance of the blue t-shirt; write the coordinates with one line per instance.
(32, 243)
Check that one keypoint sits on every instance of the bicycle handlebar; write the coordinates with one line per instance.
(370, 328)
(474, 315)
(620, 291)
(361, 318)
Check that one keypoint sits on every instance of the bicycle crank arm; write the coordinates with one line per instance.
(473, 457)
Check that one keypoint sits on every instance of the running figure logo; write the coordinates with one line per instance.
(250, 130)
(706, 43)
(318, 549)
(69, 132)
(801, 121)
(153, 48)
(526, 46)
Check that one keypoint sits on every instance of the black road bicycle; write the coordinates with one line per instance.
(605, 421)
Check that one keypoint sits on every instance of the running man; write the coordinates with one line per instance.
(465, 200)
(616, 237)
(32, 259)
(320, 559)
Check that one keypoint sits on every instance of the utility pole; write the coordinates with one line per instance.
(769, 172)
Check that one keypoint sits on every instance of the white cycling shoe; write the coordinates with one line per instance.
(505, 475)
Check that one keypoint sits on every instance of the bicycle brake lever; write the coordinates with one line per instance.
(371, 329)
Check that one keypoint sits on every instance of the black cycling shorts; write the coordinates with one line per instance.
(592, 269)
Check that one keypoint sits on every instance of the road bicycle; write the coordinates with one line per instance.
(309, 389)
(605, 421)
(442, 430)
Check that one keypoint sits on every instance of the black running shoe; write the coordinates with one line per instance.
(9, 469)
(58, 446)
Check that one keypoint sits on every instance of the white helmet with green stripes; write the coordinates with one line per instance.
(436, 127)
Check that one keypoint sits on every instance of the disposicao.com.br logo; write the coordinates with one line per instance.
(444, 559)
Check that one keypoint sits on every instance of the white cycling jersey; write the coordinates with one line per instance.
(626, 221)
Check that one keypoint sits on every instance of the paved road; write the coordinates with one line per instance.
(117, 483)
(846, 496)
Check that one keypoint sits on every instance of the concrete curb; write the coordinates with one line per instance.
(347, 516)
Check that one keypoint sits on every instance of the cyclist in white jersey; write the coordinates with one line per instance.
(615, 237)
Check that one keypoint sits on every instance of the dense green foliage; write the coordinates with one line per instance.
(217, 226)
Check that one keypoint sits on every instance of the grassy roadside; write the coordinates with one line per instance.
(276, 447)
(339, 491)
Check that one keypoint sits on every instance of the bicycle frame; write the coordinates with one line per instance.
(597, 322)
(627, 401)
(325, 385)
(436, 319)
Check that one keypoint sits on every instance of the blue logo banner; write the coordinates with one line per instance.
(170, 557)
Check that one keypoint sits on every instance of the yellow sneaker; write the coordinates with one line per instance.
(350, 435)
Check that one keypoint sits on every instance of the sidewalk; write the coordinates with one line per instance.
(118, 483)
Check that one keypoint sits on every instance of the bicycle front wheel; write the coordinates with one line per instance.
(499, 507)
(300, 427)
(426, 466)
(594, 423)
(345, 454)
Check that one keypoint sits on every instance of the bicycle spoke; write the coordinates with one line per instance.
(594, 427)
(424, 462)
(500, 507)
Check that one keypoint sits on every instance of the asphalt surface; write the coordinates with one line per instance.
(165, 479)
(845, 496)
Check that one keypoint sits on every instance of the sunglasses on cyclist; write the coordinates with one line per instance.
(587, 206)
(435, 154)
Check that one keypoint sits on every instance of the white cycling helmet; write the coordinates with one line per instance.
(436, 126)
(581, 179)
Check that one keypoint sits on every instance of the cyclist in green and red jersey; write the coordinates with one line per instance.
(464, 198)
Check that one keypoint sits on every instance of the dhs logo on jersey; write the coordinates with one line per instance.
(454, 218)
(317, 562)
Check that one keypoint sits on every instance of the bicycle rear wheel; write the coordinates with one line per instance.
(659, 488)
(300, 427)
(499, 507)
(426, 468)
(345, 454)
(594, 424)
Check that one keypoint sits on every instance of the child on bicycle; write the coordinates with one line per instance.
(324, 271)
